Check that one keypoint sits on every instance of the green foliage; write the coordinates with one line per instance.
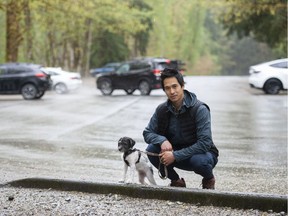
(114, 46)
(77, 33)
(61, 31)
(108, 47)
(265, 20)
(178, 31)
(141, 38)
(188, 30)
(244, 53)
(2, 36)
(233, 56)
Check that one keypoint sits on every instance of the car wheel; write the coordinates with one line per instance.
(40, 94)
(60, 88)
(129, 91)
(105, 87)
(272, 86)
(144, 88)
(29, 91)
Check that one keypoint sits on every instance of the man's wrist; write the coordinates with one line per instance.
(175, 155)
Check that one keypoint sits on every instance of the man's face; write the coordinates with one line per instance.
(173, 90)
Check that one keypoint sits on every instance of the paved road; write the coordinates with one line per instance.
(74, 136)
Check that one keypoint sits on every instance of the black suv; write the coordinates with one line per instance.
(129, 76)
(140, 73)
(24, 78)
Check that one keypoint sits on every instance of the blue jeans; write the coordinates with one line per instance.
(201, 164)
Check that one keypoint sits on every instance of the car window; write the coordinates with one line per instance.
(44, 70)
(112, 65)
(134, 66)
(161, 65)
(52, 73)
(49, 71)
(123, 69)
(17, 70)
(139, 65)
(2, 70)
(177, 64)
(280, 65)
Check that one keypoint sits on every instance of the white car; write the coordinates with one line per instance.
(63, 81)
(271, 76)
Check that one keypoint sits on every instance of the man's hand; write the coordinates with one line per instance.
(167, 157)
(166, 146)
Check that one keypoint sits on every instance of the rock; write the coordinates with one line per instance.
(67, 199)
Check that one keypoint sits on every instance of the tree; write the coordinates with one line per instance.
(141, 38)
(108, 47)
(115, 46)
(264, 20)
(14, 35)
(178, 30)
(59, 32)
(231, 55)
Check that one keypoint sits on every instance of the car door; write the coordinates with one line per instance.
(284, 73)
(2, 79)
(122, 77)
(135, 74)
(15, 76)
(8, 80)
(280, 71)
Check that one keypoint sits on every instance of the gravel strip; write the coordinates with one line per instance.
(23, 201)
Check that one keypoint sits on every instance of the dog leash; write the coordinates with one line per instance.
(165, 167)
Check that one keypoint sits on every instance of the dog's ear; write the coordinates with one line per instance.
(132, 142)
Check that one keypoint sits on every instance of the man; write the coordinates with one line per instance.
(180, 131)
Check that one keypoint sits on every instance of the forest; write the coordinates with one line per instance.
(219, 37)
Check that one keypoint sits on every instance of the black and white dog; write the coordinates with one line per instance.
(136, 160)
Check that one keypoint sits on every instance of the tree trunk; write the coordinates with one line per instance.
(76, 63)
(29, 36)
(13, 32)
(86, 49)
(51, 41)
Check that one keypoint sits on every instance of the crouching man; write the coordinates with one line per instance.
(180, 131)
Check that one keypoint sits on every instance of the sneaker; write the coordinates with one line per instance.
(208, 184)
(178, 183)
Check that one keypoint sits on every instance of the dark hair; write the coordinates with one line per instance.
(170, 72)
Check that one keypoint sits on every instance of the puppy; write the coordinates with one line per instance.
(134, 159)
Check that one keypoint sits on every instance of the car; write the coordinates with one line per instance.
(109, 67)
(159, 63)
(27, 79)
(270, 76)
(129, 76)
(63, 81)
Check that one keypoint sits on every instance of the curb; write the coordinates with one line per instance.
(264, 202)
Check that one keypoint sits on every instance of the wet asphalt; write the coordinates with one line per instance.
(74, 136)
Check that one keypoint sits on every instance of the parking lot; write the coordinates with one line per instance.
(74, 136)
